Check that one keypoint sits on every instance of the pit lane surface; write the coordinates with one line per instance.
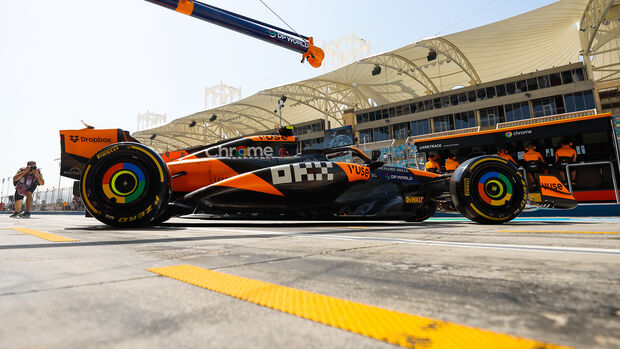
(549, 280)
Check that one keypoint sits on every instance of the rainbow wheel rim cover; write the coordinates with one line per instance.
(495, 188)
(117, 183)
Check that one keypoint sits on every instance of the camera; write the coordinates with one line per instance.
(33, 167)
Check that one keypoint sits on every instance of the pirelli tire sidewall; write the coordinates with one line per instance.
(479, 188)
(125, 185)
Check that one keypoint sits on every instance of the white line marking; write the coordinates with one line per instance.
(430, 242)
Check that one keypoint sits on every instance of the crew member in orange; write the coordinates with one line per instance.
(503, 153)
(563, 156)
(432, 165)
(451, 163)
(534, 161)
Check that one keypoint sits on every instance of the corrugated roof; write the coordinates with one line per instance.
(539, 39)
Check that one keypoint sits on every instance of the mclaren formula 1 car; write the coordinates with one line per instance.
(125, 184)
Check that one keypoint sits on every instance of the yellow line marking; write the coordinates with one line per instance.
(561, 232)
(45, 236)
(385, 325)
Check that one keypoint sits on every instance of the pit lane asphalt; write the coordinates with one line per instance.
(551, 280)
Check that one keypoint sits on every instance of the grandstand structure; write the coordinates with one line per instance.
(148, 120)
(560, 58)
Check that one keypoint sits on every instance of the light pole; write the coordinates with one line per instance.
(59, 178)
(2, 195)
(279, 107)
(8, 190)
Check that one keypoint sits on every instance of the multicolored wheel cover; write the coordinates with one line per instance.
(111, 187)
(494, 188)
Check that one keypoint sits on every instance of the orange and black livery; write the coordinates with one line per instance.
(124, 183)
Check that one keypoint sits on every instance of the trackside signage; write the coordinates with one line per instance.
(512, 136)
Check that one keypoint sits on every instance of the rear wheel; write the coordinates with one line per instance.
(164, 216)
(423, 213)
(125, 185)
(488, 190)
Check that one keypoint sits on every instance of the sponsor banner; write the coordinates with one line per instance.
(73, 172)
(271, 138)
(396, 175)
(552, 183)
(288, 39)
(503, 137)
(253, 147)
(355, 172)
(510, 134)
(241, 151)
(302, 172)
(87, 142)
(414, 199)
(551, 188)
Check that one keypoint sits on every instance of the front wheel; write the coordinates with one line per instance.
(488, 190)
(125, 185)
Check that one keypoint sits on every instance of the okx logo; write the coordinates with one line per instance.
(302, 172)
(73, 138)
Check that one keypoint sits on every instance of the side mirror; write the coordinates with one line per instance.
(375, 155)
(376, 164)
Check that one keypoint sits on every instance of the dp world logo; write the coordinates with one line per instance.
(508, 134)
(272, 33)
(74, 139)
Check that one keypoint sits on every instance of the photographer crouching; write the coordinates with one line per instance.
(26, 181)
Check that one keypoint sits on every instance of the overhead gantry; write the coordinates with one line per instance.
(450, 51)
(403, 66)
(211, 126)
(599, 30)
(327, 97)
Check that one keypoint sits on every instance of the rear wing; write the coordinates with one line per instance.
(78, 146)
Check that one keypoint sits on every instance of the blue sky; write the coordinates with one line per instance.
(107, 61)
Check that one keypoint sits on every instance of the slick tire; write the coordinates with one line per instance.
(125, 185)
(164, 216)
(488, 190)
(423, 213)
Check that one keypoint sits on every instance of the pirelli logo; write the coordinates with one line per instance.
(466, 185)
(108, 152)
